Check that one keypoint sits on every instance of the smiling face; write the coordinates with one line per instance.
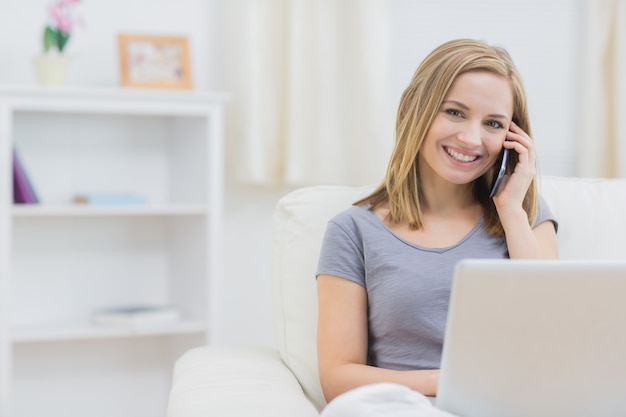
(467, 133)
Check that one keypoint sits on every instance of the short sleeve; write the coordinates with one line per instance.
(544, 214)
(341, 253)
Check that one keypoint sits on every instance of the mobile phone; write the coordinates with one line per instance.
(496, 183)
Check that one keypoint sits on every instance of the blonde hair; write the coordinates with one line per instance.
(418, 107)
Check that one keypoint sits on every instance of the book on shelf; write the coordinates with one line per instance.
(136, 315)
(110, 199)
(23, 191)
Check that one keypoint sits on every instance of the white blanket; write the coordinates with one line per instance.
(383, 400)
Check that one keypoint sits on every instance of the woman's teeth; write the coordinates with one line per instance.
(461, 157)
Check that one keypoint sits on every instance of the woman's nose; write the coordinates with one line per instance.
(469, 135)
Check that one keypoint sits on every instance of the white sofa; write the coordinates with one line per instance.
(263, 382)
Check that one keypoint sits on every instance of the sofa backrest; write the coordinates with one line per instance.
(591, 215)
(592, 221)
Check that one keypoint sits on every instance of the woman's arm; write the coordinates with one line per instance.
(342, 342)
(523, 241)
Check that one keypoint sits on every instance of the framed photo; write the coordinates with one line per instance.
(154, 61)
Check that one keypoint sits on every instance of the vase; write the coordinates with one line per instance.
(51, 69)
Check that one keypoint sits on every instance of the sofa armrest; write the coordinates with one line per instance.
(235, 382)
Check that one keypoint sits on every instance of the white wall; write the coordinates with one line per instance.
(541, 36)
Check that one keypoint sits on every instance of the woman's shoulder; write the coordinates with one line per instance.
(351, 213)
(356, 217)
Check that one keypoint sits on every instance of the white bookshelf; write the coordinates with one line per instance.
(61, 261)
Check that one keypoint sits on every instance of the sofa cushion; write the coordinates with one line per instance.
(300, 222)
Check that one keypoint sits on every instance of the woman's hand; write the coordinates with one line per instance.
(514, 186)
(524, 241)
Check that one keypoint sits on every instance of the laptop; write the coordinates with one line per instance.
(535, 339)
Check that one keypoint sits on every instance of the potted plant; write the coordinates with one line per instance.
(51, 66)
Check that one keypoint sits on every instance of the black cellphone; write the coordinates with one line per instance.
(496, 183)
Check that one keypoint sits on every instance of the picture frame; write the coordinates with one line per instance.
(149, 61)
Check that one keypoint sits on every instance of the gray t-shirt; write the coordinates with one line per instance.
(408, 286)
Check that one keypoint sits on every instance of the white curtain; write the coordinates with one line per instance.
(602, 150)
(311, 85)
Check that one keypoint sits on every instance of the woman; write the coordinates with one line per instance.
(386, 265)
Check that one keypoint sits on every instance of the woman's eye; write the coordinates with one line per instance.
(495, 124)
(454, 113)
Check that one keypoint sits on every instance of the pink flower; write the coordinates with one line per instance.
(58, 30)
(61, 14)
